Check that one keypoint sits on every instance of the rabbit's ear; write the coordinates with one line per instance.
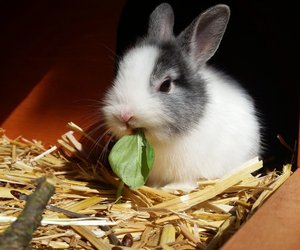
(161, 23)
(202, 37)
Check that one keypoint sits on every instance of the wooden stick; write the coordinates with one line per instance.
(19, 234)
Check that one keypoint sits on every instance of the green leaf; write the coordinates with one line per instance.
(147, 157)
(131, 159)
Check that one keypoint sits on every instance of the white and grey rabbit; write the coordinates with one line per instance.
(201, 123)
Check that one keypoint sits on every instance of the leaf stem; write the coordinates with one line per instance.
(120, 189)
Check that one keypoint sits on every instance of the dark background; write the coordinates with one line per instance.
(259, 49)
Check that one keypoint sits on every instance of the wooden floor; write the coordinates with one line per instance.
(276, 225)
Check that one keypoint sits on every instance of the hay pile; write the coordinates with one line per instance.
(84, 214)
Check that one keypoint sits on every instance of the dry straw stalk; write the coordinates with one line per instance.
(84, 214)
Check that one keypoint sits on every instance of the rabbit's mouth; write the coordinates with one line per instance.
(129, 129)
(138, 130)
(133, 126)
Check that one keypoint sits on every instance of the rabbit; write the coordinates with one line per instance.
(201, 123)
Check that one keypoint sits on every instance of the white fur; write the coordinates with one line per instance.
(131, 92)
(225, 137)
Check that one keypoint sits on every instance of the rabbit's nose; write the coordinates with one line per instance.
(125, 116)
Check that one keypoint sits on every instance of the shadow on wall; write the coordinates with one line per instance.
(258, 49)
(38, 34)
(56, 55)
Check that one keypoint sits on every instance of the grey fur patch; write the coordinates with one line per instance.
(186, 105)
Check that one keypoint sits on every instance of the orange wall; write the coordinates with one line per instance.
(58, 61)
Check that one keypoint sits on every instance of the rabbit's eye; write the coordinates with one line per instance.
(165, 86)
